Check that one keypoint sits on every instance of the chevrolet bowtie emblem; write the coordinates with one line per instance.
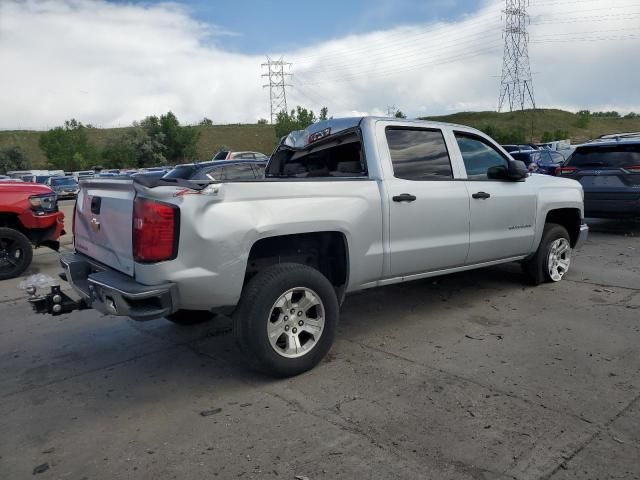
(95, 224)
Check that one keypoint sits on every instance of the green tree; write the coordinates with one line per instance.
(68, 147)
(206, 122)
(262, 121)
(180, 142)
(324, 113)
(583, 119)
(119, 152)
(298, 119)
(13, 158)
(399, 114)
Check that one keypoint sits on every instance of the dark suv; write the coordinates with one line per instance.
(609, 171)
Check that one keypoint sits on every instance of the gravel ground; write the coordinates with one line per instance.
(469, 376)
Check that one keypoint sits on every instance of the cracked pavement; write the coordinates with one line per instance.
(469, 376)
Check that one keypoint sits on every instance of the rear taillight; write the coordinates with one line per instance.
(155, 231)
(565, 171)
(633, 169)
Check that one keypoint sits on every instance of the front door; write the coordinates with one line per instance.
(428, 209)
(503, 212)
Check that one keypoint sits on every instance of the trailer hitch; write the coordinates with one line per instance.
(56, 302)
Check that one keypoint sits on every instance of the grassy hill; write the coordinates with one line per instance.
(262, 138)
(535, 122)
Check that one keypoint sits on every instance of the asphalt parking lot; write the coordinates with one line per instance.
(469, 376)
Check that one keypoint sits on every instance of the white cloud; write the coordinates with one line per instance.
(110, 64)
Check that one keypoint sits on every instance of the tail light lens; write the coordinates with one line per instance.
(565, 171)
(155, 231)
(633, 169)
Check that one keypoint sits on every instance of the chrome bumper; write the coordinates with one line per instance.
(114, 293)
(582, 236)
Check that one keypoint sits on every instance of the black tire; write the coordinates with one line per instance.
(16, 253)
(536, 268)
(252, 316)
(190, 317)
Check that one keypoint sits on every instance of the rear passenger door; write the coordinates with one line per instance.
(502, 211)
(428, 208)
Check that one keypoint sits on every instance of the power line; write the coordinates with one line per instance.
(516, 86)
(395, 70)
(277, 85)
(395, 55)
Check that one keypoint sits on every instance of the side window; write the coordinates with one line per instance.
(418, 154)
(259, 169)
(556, 158)
(238, 172)
(478, 156)
(245, 156)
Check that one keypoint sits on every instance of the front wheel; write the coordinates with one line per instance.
(286, 320)
(551, 261)
(15, 253)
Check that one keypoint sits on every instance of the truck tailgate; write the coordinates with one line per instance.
(103, 222)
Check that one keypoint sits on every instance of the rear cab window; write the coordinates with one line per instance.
(337, 156)
(418, 154)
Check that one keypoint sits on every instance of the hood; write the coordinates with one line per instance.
(25, 187)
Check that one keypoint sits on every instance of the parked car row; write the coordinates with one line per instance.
(608, 169)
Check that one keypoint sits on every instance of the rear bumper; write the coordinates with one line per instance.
(114, 293)
(582, 236)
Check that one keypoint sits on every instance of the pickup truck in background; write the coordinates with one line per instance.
(29, 217)
(347, 204)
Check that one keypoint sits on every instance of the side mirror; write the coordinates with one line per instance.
(499, 172)
(517, 170)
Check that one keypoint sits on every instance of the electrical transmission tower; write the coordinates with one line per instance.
(277, 75)
(516, 88)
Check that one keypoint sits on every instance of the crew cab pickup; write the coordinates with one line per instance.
(29, 217)
(346, 205)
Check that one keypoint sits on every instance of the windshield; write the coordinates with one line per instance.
(614, 156)
(221, 155)
(64, 181)
(42, 178)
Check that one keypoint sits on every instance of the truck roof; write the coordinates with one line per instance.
(325, 128)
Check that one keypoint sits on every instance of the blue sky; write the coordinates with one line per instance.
(273, 26)
(110, 62)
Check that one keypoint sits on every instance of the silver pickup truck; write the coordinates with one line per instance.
(346, 205)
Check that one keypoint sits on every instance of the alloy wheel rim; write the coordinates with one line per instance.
(296, 322)
(10, 254)
(559, 259)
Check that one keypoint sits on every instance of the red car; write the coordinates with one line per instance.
(29, 217)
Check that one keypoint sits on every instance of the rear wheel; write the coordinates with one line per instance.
(286, 320)
(15, 253)
(553, 257)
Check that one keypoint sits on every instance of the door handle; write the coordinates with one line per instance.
(404, 197)
(481, 195)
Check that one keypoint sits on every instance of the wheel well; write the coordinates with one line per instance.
(324, 251)
(569, 218)
(11, 220)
